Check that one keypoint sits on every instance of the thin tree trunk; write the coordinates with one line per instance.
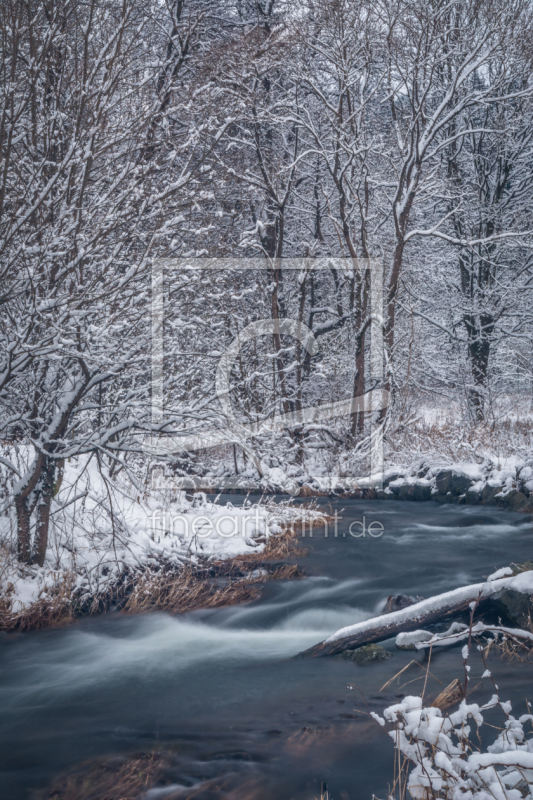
(23, 529)
(43, 511)
(479, 332)
(23, 512)
(276, 338)
(358, 417)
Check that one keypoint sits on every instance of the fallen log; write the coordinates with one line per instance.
(426, 612)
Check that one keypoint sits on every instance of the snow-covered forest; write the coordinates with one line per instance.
(241, 134)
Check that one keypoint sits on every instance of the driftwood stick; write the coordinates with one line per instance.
(412, 618)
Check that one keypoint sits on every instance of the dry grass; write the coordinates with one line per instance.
(283, 545)
(285, 572)
(130, 777)
(113, 779)
(509, 649)
(163, 587)
(190, 588)
(177, 592)
(54, 608)
(452, 694)
(275, 549)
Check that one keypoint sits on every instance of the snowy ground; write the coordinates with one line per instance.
(101, 528)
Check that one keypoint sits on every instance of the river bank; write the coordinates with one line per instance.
(506, 483)
(189, 554)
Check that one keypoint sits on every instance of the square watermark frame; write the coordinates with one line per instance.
(372, 402)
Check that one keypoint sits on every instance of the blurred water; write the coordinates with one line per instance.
(220, 689)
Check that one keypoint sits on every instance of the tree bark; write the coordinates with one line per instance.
(23, 530)
(358, 418)
(43, 511)
(479, 331)
(23, 512)
(384, 630)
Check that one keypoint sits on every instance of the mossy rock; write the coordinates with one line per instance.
(412, 491)
(369, 654)
(489, 493)
(449, 483)
(421, 492)
(516, 500)
(525, 567)
(517, 605)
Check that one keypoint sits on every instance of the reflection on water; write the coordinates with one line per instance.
(218, 692)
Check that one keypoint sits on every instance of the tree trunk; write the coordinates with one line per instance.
(479, 330)
(276, 338)
(361, 298)
(358, 417)
(386, 627)
(22, 507)
(23, 530)
(43, 511)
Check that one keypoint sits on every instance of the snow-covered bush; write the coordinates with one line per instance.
(441, 761)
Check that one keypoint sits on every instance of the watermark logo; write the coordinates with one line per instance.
(232, 431)
(252, 523)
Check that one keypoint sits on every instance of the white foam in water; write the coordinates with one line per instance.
(314, 591)
(314, 619)
(317, 589)
(453, 532)
(477, 527)
(165, 791)
(161, 643)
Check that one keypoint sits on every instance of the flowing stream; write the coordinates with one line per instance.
(219, 689)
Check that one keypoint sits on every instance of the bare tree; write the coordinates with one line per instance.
(84, 208)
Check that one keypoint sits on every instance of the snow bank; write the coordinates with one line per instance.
(102, 528)
(489, 478)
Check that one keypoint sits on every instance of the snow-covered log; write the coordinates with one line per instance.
(426, 612)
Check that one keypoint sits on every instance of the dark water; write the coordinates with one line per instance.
(219, 690)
